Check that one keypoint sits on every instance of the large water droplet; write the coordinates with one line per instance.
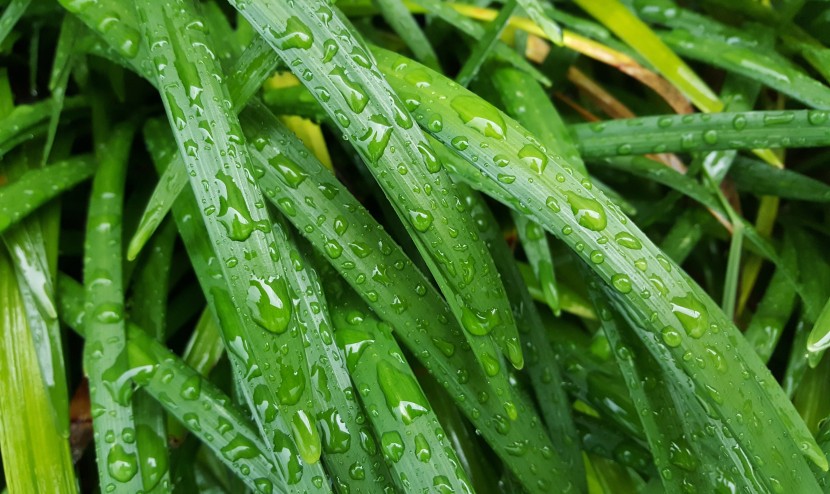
(588, 212)
(269, 303)
(403, 395)
(479, 115)
(692, 315)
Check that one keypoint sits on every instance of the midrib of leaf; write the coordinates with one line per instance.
(661, 288)
(321, 49)
(213, 148)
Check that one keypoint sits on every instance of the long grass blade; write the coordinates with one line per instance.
(412, 441)
(351, 465)
(698, 132)
(616, 17)
(12, 13)
(36, 455)
(105, 358)
(37, 186)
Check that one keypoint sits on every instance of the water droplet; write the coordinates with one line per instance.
(422, 451)
(533, 157)
(306, 437)
(628, 241)
(121, 465)
(403, 395)
(191, 388)
(296, 35)
(671, 336)
(377, 136)
(588, 212)
(269, 303)
(479, 323)
(817, 117)
(481, 116)
(392, 445)
(352, 91)
(421, 219)
(692, 315)
(621, 282)
(336, 437)
(290, 172)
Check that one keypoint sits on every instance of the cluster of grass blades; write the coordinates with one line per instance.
(296, 246)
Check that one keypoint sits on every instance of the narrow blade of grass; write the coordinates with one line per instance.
(12, 13)
(616, 17)
(235, 219)
(255, 64)
(697, 132)
(351, 465)
(399, 18)
(753, 64)
(761, 179)
(26, 118)
(105, 358)
(38, 186)
(476, 31)
(36, 455)
(774, 311)
(485, 45)
(149, 311)
(542, 365)
(671, 415)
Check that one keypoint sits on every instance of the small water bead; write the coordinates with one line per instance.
(710, 137)
(739, 122)
(671, 336)
(597, 257)
(306, 436)
(377, 136)
(352, 91)
(421, 219)
(817, 117)
(479, 323)
(490, 364)
(121, 465)
(552, 204)
(621, 282)
(627, 240)
(460, 143)
(422, 449)
(435, 123)
(692, 315)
